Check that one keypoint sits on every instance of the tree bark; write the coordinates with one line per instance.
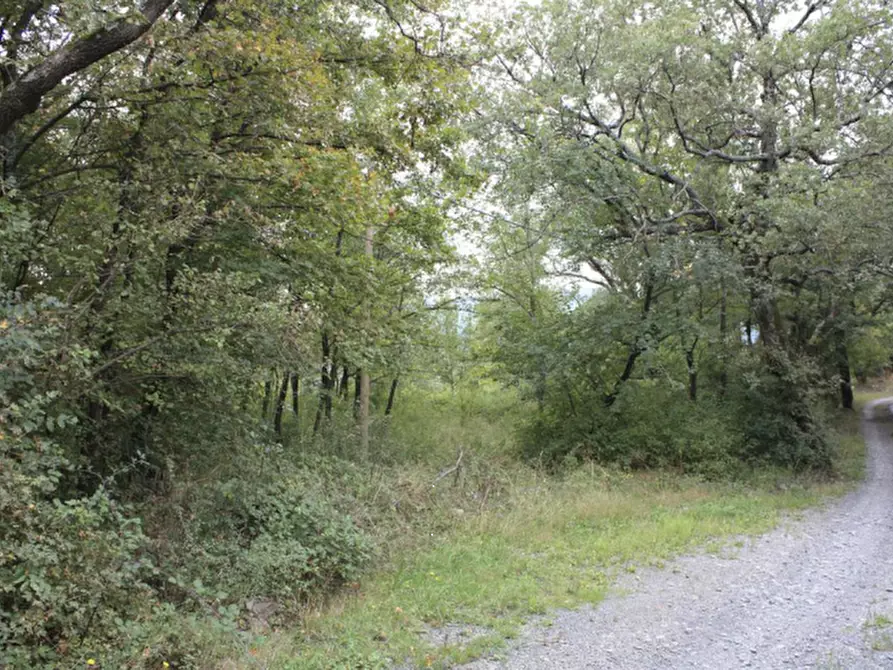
(846, 380)
(635, 350)
(723, 342)
(344, 384)
(268, 392)
(296, 396)
(692, 373)
(280, 405)
(391, 396)
(365, 380)
(325, 385)
(23, 96)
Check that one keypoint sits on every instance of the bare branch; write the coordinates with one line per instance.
(812, 9)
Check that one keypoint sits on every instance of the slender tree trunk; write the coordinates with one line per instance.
(846, 380)
(333, 379)
(268, 392)
(692, 373)
(356, 395)
(363, 415)
(365, 380)
(324, 408)
(344, 384)
(280, 405)
(296, 395)
(635, 350)
(391, 396)
(723, 342)
(325, 385)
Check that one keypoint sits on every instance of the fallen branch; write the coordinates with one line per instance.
(450, 470)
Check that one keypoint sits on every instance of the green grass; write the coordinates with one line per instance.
(879, 621)
(552, 548)
(877, 633)
(546, 543)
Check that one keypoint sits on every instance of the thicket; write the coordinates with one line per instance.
(272, 275)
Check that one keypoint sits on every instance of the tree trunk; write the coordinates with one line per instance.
(723, 342)
(363, 415)
(280, 405)
(846, 380)
(325, 385)
(356, 395)
(391, 395)
(344, 384)
(365, 380)
(692, 372)
(635, 350)
(296, 395)
(268, 392)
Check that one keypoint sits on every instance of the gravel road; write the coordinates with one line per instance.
(798, 597)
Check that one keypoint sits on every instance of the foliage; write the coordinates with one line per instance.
(673, 219)
(72, 566)
(551, 542)
(271, 539)
(286, 290)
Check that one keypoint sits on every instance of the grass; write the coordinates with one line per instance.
(556, 548)
(879, 621)
(877, 633)
(548, 543)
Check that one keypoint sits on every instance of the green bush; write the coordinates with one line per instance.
(779, 412)
(769, 411)
(652, 425)
(70, 569)
(271, 539)
(71, 565)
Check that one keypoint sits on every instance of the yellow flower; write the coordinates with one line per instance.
(91, 661)
(165, 665)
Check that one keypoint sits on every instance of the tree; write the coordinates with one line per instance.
(655, 139)
(173, 204)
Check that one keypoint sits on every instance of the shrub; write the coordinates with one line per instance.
(70, 568)
(779, 412)
(271, 539)
(650, 426)
(71, 565)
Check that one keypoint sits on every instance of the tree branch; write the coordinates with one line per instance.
(23, 96)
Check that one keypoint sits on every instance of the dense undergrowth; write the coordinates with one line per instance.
(303, 554)
(554, 539)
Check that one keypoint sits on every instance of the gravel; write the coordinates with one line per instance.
(802, 596)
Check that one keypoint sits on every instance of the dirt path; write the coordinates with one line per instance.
(803, 596)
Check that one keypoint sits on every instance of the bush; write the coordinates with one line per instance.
(70, 569)
(770, 412)
(650, 426)
(252, 538)
(779, 412)
(71, 566)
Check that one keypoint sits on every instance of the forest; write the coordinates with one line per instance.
(291, 290)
